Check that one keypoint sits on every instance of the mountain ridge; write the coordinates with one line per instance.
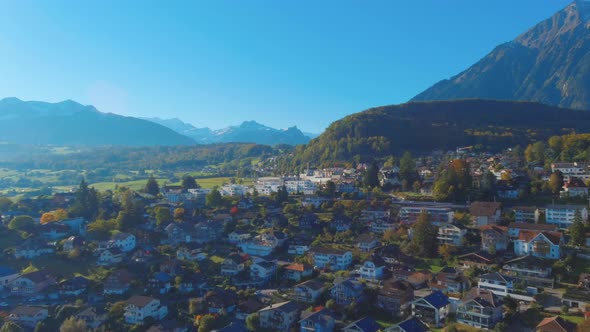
(549, 64)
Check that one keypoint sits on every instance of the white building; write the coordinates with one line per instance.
(563, 215)
(539, 244)
(332, 259)
(452, 234)
(123, 241)
(141, 307)
(233, 190)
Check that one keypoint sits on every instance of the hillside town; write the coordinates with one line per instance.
(364, 248)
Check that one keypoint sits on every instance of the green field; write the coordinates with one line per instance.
(206, 183)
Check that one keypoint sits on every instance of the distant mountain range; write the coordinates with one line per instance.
(549, 63)
(440, 125)
(247, 132)
(70, 123)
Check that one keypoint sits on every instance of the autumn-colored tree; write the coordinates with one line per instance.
(47, 217)
(179, 213)
(556, 182)
(234, 210)
(446, 251)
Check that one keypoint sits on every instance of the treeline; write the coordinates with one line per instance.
(443, 125)
(565, 148)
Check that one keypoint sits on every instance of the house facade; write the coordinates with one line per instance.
(139, 308)
(539, 244)
(452, 234)
(279, 316)
(308, 291)
(563, 215)
(479, 308)
(432, 309)
(331, 259)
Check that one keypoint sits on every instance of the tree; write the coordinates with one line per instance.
(11, 327)
(556, 182)
(162, 215)
(253, 322)
(47, 217)
(578, 230)
(152, 187)
(446, 251)
(101, 229)
(5, 204)
(454, 182)
(189, 182)
(371, 176)
(206, 323)
(535, 153)
(407, 169)
(330, 189)
(424, 235)
(86, 203)
(179, 213)
(510, 304)
(72, 324)
(213, 199)
(22, 223)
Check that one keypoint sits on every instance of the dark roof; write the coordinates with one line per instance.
(480, 256)
(6, 271)
(37, 276)
(314, 284)
(484, 208)
(288, 306)
(413, 325)
(483, 297)
(328, 251)
(26, 311)
(321, 317)
(534, 227)
(495, 276)
(140, 301)
(437, 299)
(367, 324)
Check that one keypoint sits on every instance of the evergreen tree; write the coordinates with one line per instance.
(578, 230)
(371, 176)
(152, 187)
(424, 236)
(213, 199)
(407, 169)
(86, 203)
(189, 182)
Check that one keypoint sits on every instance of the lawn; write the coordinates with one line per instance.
(216, 259)
(206, 183)
(575, 319)
(432, 265)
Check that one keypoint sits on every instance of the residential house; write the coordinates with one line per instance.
(574, 187)
(124, 241)
(118, 282)
(391, 254)
(372, 269)
(298, 271)
(341, 223)
(330, 258)
(179, 233)
(508, 191)
(499, 284)
(367, 324)
(279, 316)
(53, 231)
(419, 279)
(528, 214)
(110, 256)
(432, 309)
(221, 302)
(27, 316)
(514, 228)
(263, 270)
(347, 291)
(411, 324)
(450, 280)
(299, 246)
(92, 316)
(563, 215)
(381, 226)
(7, 275)
(32, 283)
(233, 264)
(436, 215)
(208, 231)
(485, 213)
(160, 282)
(480, 260)
(139, 308)
(236, 237)
(494, 238)
(367, 242)
(395, 296)
(539, 244)
(317, 321)
(169, 325)
(32, 249)
(308, 291)
(555, 324)
(479, 308)
(530, 270)
(309, 221)
(72, 243)
(184, 253)
(192, 282)
(373, 214)
(75, 286)
(248, 307)
(452, 234)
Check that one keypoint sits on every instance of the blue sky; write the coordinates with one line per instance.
(217, 63)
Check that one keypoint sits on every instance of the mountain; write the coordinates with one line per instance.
(549, 63)
(70, 123)
(247, 132)
(427, 126)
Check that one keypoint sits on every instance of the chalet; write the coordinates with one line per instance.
(555, 324)
(341, 223)
(485, 213)
(32, 283)
(184, 253)
(331, 258)
(347, 292)
(208, 231)
(497, 283)
(452, 234)
(139, 308)
(279, 316)
(366, 324)
(494, 238)
(395, 296)
(248, 307)
(539, 244)
(263, 270)
(179, 233)
(160, 282)
(432, 309)
(192, 282)
(299, 245)
(92, 316)
(367, 242)
(110, 256)
(221, 302)
(479, 308)
(236, 237)
(308, 291)
(298, 271)
(53, 231)
(449, 280)
(419, 279)
(317, 321)
(574, 187)
(74, 287)
(28, 316)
